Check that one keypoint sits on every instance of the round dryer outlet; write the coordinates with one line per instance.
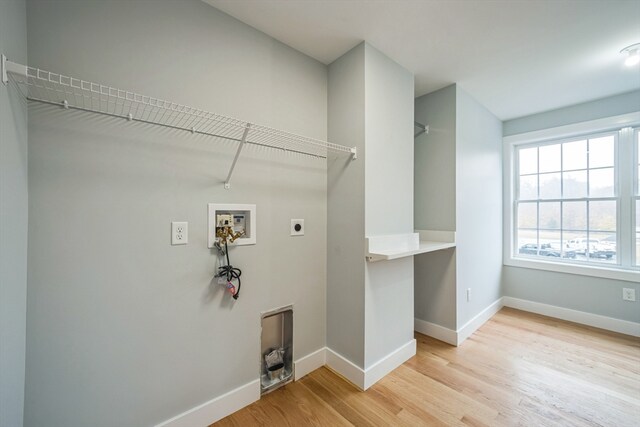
(297, 227)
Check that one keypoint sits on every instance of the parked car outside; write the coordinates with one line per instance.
(546, 249)
(594, 247)
(601, 251)
(581, 245)
(566, 252)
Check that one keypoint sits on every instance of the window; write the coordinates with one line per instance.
(575, 200)
(566, 204)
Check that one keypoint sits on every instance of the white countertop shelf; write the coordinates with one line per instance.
(381, 248)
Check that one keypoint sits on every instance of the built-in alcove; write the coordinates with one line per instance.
(276, 349)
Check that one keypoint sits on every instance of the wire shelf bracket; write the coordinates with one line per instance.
(11, 67)
(422, 129)
(70, 93)
(227, 183)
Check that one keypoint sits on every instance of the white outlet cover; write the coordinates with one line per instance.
(300, 230)
(179, 233)
(628, 294)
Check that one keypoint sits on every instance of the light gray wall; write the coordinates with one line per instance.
(370, 106)
(345, 208)
(13, 220)
(583, 293)
(389, 141)
(605, 107)
(435, 205)
(435, 288)
(124, 329)
(478, 206)
(435, 161)
(458, 187)
(389, 108)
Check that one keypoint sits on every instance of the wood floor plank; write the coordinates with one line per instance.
(518, 369)
(341, 403)
(440, 398)
(374, 410)
(412, 410)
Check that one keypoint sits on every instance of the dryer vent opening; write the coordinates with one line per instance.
(276, 349)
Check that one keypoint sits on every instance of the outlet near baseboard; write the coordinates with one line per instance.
(628, 294)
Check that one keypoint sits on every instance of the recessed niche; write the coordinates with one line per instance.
(276, 349)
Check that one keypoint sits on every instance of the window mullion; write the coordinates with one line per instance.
(538, 202)
(562, 244)
(635, 226)
(624, 187)
(587, 251)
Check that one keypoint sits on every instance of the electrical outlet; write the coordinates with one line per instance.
(297, 227)
(179, 233)
(628, 294)
(468, 294)
(224, 220)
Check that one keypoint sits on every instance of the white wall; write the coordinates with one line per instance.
(576, 292)
(369, 306)
(478, 206)
(389, 145)
(583, 293)
(388, 202)
(124, 329)
(435, 205)
(605, 107)
(458, 187)
(435, 161)
(13, 220)
(346, 207)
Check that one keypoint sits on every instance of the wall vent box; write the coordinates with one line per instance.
(276, 339)
(240, 217)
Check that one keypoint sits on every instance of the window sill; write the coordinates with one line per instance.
(582, 270)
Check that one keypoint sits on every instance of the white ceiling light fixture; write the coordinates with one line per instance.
(633, 54)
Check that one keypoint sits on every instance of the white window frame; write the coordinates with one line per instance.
(625, 212)
(636, 191)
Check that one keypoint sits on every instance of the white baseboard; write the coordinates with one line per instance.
(343, 366)
(436, 331)
(584, 318)
(589, 319)
(457, 337)
(217, 408)
(382, 367)
(365, 378)
(310, 363)
(478, 320)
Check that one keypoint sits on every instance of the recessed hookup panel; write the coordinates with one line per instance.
(276, 349)
(241, 217)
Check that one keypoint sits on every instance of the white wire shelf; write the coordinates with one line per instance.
(71, 93)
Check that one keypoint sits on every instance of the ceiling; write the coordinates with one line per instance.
(516, 57)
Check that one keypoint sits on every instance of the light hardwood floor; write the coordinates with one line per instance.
(517, 369)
